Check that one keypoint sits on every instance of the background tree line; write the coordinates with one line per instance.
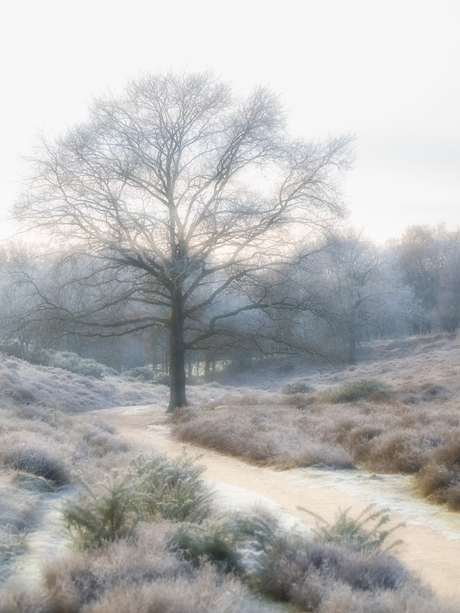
(357, 292)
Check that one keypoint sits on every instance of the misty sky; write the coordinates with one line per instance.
(387, 71)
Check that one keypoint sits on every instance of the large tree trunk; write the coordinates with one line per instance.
(177, 396)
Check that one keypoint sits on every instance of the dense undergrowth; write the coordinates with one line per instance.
(144, 536)
(363, 423)
(147, 540)
(47, 388)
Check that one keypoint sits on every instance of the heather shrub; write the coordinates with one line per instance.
(17, 516)
(140, 373)
(351, 391)
(143, 576)
(17, 508)
(38, 461)
(12, 542)
(213, 385)
(32, 483)
(161, 379)
(299, 387)
(262, 434)
(53, 388)
(399, 450)
(66, 360)
(206, 591)
(81, 366)
(440, 476)
(301, 401)
(102, 439)
(360, 441)
(409, 598)
(304, 572)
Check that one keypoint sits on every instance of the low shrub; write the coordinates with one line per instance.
(297, 388)
(439, 478)
(361, 533)
(81, 366)
(305, 573)
(154, 487)
(232, 542)
(102, 440)
(146, 375)
(32, 483)
(171, 489)
(66, 360)
(140, 373)
(105, 516)
(213, 385)
(161, 379)
(38, 461)
(17, 508)
(215, 541)
(261, 434)
(12, 543)
(399, 451)
(143, 576)
(351, 391)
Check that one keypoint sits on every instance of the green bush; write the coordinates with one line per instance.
(232, 543)
(171, 489)
(106, 516)
(298, 387)
(154, 487)
(355, 390)
(361, 533)
(214, 541)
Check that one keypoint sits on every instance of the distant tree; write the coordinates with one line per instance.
(21, 323)
(176, 195)
(429, 258)
(448, 302)
(354, 292)
(421, 260)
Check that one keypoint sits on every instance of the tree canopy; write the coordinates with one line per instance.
(177, 204)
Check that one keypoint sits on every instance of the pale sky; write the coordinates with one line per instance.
(388, 71)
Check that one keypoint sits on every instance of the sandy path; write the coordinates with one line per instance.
(431, 537)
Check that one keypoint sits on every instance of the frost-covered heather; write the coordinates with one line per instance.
(41, 451)
(412, 426)
(49, 387)
(410, 362)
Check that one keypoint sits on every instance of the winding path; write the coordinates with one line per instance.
(431, 546)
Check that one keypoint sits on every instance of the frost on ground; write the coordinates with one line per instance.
(395, 415)
(409, 423)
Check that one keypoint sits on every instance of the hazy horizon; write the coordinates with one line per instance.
(387, 73)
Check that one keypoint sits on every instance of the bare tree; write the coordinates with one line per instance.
(179, 193)
(354, 294)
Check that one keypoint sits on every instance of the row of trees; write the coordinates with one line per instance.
(183, 208)
(349, 290)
